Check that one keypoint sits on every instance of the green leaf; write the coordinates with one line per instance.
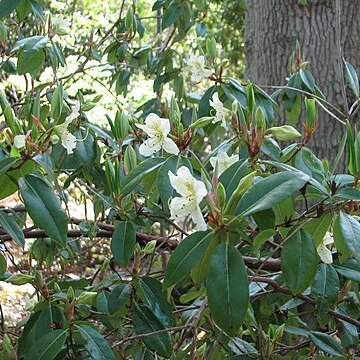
(8, 223)
(299, 261)
(123, 242)
(271, 191)
(187, 254)
(173, 163)
(31, 55)
(307, 79)
(339, 240)
(318, 227)
(138, 173)
(200, 270)
(325, 288)
(262, 237)
(326, 343)
(19, 279)
(6, 164)
(118, 297)
(57, 101)
(350, 230)
(97, 347)
(44, 207)
(145, 321)
(231, 177)
(352, 78)
(155, 297)
(227, 288)
(171, 14)
(7, 7)
(349, 269)
(2, 264)
(48, 346)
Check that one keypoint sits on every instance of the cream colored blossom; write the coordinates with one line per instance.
(60, 25)
(68, 140)
(19, 141)
(196, 66)
(223, 161)
(220, 111)
(157, 130)
(323, 251)
(192, 191)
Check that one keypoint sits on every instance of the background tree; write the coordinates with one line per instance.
(323, 27)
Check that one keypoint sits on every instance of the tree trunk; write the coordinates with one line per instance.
(271, 30)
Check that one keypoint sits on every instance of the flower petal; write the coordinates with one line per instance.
(150, 146)
(324, 254)
(170, 147)
(198, 219)
(68, 141)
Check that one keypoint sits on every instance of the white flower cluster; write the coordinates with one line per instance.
(192, 191)
(196, 66)
(68, 140)
(216, 104)
(223, 161)
(157, 130)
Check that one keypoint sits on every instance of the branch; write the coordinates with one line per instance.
(305, 298)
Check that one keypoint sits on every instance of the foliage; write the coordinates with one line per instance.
(221, 247)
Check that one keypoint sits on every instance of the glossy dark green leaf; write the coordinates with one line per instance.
(348, 194)
(199, 271)
(350, 230)
(7, 7)
(8, 223)
(326, 343)
(352, 78)
(86, 148)
(171, 14)
(325, 288)
(307, 79)
(270, 191)
(118, 297)
(318, 227)
(97, 347)
(138, 173)
(173, 163)
(227, 288)
(29, 61)
(350, 269)
(145, 321)
(5, 164)
(299, 261)
(57, 100)
(156, 298)
(44, 207)
(123, 242)
(187, 254)
(48, 346)
(231, 177)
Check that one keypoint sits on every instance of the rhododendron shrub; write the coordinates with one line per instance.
(226, 231)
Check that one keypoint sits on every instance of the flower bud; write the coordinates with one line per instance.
(283, 133)
(70, 294)
(221, 195)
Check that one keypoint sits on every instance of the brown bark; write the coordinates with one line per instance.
(271, 30)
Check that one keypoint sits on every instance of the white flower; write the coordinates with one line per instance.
(223, 161)
(157, 129)
(196, 66)
(219, 110)
(61, 25)
(324, 252)
(192, 191)
(68, 140)
(19, 141)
